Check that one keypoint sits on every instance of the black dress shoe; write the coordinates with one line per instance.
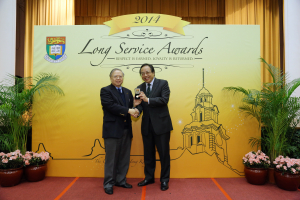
(164, 186)
(145, 182)
(126, 185)
(109, 190)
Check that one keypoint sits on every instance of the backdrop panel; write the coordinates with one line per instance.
(210, 135)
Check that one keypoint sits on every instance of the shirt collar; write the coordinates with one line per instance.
(119, 87)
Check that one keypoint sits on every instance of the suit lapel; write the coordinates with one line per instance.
(126, 97)
(117, 94)
(143, 88)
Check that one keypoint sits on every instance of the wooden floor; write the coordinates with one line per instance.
(187, 189)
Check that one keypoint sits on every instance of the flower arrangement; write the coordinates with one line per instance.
(32, 158)
(11, 160)
(256, 160)
(286, 164)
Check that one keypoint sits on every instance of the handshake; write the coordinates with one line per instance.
(134, 112)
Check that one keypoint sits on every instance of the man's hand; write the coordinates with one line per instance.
(143, 96)
(137, 102)
(133, 112)
(137, 113)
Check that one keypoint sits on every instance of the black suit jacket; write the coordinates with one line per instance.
(115, 113)
(157, 110)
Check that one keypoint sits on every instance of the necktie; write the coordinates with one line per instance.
(122, 96)
(148, 90)
(120, 91)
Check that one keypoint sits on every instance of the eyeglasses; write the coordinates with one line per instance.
(145, 73)
(117, 77)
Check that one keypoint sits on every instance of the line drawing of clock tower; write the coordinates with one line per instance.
(204, 134)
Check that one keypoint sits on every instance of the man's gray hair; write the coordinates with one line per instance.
(112, 71)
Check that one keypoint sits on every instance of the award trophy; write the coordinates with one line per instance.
(137, 93)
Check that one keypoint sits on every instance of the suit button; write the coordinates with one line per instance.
(124, 120)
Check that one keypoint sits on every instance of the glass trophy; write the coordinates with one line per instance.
(137, 93)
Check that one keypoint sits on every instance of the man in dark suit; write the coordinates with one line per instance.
(156, 125)
(117, 103)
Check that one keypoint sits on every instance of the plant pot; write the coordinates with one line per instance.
(10, 177)
(256, 176)
(35, 173)
(271, 175)
(287, 181)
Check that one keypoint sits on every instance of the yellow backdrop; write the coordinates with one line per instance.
(210, 136)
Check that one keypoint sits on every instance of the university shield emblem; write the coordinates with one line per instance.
(55, 47)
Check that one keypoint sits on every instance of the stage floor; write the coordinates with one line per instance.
(67, 188)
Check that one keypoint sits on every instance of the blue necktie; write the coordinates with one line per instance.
(122, 96)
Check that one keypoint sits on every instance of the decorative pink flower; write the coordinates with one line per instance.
(27, 156)
(32, 158)
(289, 164)
(45, 155)
(277, 166)
(27, 162)
(13, 157)
(257, 159)
(17, 151)
(5, 160)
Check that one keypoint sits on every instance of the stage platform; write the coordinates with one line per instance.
(72, 188)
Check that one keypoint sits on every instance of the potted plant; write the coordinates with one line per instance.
(11, 168)
(17, 96)
(287, 175)
(275, 109)
(256, 167)
(280, 112)
(36, 167)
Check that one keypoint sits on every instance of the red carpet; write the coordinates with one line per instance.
(188, 189)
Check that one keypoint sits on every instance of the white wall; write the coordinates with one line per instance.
(8, 37)
(292, 39)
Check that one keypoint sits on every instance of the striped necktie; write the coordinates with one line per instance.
(148, 90)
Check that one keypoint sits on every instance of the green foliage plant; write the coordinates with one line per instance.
(294, 136)
(275, 108)
(17, 96)
(250, 107)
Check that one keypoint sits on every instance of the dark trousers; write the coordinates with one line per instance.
(162, 144)
(117, 159)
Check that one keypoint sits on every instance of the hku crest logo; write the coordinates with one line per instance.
(55, 47)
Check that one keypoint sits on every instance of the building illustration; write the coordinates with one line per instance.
(204, 134)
